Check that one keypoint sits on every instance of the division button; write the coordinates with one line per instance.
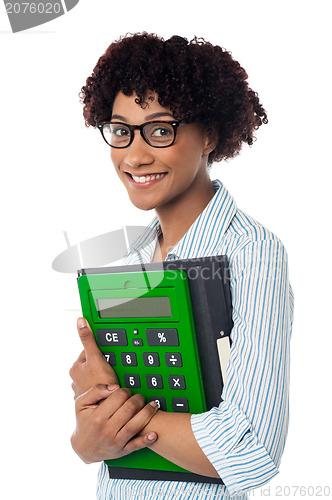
(176, 381)
(111, 336)
(180, 404)
(162, 337)
(173, 359)
(161, 402)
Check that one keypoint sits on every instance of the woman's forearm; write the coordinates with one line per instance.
(177, 443)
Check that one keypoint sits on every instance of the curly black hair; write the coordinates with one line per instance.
(198, 81)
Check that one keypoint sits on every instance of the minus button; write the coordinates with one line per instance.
(180, 404)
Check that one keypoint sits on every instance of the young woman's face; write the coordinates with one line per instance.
(183, 165)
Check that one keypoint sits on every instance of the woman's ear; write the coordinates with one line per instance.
(210, 141)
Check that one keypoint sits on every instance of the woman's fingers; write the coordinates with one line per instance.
(99, 393)
(136, 422)
(127, 416)
(140, 442)
(108, 421)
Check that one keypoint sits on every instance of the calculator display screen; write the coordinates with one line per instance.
(134, 307)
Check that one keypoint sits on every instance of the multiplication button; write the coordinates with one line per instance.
(162, 337)
(176, 382)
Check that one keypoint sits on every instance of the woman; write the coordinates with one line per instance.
(168, 109)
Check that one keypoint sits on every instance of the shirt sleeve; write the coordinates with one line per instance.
(244, 436)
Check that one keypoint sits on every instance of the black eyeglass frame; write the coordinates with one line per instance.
(174, 123)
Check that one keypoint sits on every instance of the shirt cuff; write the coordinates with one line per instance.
(231, 445)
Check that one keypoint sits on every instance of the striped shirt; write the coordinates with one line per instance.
(244, 436)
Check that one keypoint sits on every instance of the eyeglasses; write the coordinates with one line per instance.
(158, 134)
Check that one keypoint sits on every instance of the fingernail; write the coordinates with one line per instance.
(113, 388)
(154, 404)
(151, 437)
(82, 323)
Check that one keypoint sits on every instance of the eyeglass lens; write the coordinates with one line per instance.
(156, 134)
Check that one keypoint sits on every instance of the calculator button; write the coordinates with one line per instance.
(180, 404)
(129, 359)
(162, 337)
(161, 402)
(154, 381)
(137, 342)
(173, 359)
(151, 359)
(132, 381)
(109, 336)
(110, 358)
(176, 381)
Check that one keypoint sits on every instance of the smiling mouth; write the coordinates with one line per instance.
(143, 179)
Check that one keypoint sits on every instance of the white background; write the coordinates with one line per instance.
(56, 175)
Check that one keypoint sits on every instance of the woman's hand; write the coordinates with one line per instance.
(91, 367)
(107, 421)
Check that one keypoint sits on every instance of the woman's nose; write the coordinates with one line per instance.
(139, 152)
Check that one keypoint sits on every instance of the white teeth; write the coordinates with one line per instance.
(146, 178)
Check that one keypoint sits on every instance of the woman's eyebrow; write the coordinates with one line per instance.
(159, 115)
(148, 117)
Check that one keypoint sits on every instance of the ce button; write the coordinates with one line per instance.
(111, 337)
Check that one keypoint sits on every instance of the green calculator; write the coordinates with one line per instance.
(159, 326)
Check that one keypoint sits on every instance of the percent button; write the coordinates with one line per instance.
(162, 337)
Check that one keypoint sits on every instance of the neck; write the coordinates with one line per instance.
(176, 219)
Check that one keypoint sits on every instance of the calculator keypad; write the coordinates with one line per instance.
(166, 381)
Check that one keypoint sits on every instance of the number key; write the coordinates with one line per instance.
(154, 381)
(160, 400)
(110, 358)
(129, 359)
(132, 381)
(151, 359)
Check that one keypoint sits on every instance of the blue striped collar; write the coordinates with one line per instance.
(203, 236)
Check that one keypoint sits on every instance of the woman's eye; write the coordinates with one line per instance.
(120, 132)
(161, 132)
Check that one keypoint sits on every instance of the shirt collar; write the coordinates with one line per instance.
(203, 236)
